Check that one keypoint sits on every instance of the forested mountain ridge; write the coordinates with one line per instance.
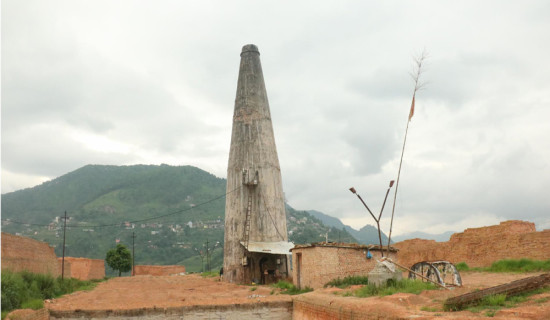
(366, 235)
(172, 211)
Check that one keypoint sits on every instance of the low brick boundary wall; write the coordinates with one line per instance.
(266, 310)
(312, 306)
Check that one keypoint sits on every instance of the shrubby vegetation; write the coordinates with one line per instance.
(28, 290)
(392, 286)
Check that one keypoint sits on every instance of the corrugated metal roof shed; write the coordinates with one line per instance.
(279, 247)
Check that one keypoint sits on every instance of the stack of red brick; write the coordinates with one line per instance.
(480, 247)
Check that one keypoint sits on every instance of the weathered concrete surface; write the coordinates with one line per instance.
(21, 253)
(252, 150)
(266, 310)
(479, 247)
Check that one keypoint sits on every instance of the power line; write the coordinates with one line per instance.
(135, 221)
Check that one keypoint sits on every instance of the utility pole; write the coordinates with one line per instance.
(207, 256)
(63, 259)
(133, 253)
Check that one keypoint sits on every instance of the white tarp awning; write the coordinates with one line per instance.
(278, 247)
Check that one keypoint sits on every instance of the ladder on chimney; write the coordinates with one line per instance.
(251, 184)
(247, 221)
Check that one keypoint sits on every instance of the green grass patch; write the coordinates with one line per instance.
(392, 286)
(542, 300)
(494, 300)
(429, 309)
(289, 288)
(522, 265)
(28, 290)
(510, 265)
(347, 281)
(210, 274)
(34, 304)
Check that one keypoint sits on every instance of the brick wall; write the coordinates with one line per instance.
(158, 270)
(479, 247)
(321, 263)
(21, 253)
(83, 268)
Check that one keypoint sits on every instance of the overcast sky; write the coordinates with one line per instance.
(151, 82)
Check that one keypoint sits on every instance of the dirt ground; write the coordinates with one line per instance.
(162, 292)
(173, 291)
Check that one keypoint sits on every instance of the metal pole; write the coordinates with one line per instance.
(63, 259)
(207, 256)
(133, 253)
(397, 185)
(377, 224)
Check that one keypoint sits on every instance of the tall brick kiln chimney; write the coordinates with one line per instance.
(255, 247)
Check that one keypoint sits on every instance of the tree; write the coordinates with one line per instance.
(119, 258)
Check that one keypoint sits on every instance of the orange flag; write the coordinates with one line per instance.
(411, 114)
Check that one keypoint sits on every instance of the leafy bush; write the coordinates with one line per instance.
(462, 266)
(347, 281)
(392, 286)
(14, 290)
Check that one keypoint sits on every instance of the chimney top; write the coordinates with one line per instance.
(250, 48)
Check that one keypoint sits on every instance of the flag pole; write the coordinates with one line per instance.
(397, 185)
(417, 86)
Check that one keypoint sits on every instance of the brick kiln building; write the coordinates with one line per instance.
(316, 264)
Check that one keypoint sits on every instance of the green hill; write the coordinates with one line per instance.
(172, 211)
